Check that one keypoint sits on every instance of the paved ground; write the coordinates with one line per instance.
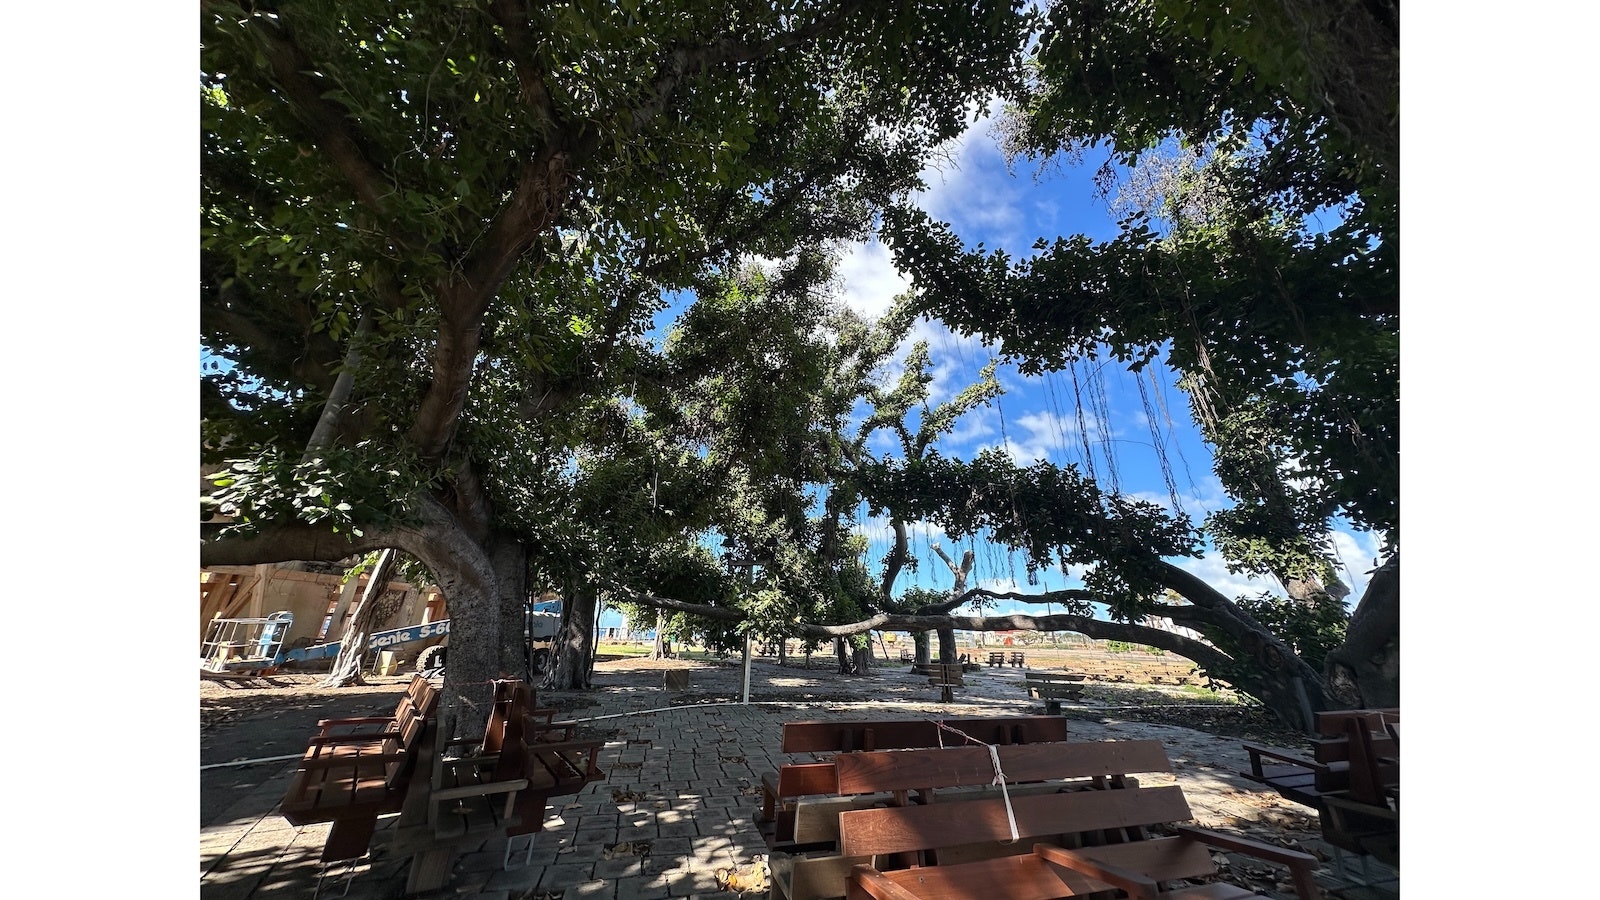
(683, 770)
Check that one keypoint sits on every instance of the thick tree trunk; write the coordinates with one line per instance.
(1364, 671)
(465, 574)
(947, 636)
(863, 659)
(841, 655)
(659, 651)
(574, 650)
(924, 653)
(346, 669)
(510, 559)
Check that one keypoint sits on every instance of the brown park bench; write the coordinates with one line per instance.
(1364, 816)
(1304, 778)
(1083, 842)
(950, 776)
(779, 790)
(357, 769)
(501, 785)
(1053, 687)
(1351, 777)
(947, 677)
(1018, 660)
(997, 659)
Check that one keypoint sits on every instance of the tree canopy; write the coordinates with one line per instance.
(436, 238)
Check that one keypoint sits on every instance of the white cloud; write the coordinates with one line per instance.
(869, 280)
(969, 186)
(1041, 434)
(1357, 554)
(1214, 572)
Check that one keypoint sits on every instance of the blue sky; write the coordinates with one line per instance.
(972, 188)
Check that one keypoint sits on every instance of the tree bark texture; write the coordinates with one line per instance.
(574, 646)
(510, 560)
(1364, 671)
(659, 650)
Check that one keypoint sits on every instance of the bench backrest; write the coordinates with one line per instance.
(904, 734)
(1336, 727)
(903, 829)
(410, 724)
(908, 770)
(1331, 723)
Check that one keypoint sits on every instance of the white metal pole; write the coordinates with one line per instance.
(747, 639)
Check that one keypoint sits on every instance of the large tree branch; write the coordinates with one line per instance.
(287, 543)
(1199, 652)
(895, 561)
(523, 46)
(1064, 597)
(533, 206)
(319, 543)
(328, 124)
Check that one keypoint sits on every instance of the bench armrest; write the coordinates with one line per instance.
(590, 750)
(1137, 884)
(1236, 844)
(479, 790)
(367, 738)
(1284, 754)
(325, 724)
(1336, 802)
(865, 881)
(353, 762)
(1302, 866)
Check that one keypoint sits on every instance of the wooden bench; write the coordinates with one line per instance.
(357, 769)
(1018, 659)
(1304, 778)
(1364, 816)
(947, 677)
(779, 790)
(502, 785)
(947, 776)
(1351, 777)
(1083, 842)
(997, 659)
(1052, 688)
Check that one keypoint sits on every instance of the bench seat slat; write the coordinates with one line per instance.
(879, 831)
(861, 773)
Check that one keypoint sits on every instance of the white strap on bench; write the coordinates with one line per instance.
(999, 776)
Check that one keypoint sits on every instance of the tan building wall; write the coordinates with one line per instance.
(231, 592)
